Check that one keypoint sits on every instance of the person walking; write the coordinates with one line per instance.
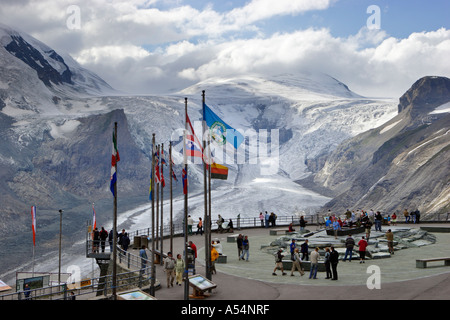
(144, 258)
(239, 241)
(297, 263)
(279, 263)
(362, 244)
(349, 244)
(314, 258)
(169, 269)
(334, 259)
(245, 249)
(179, 270)
(327, 263)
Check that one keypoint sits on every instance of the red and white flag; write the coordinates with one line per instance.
(33, 223)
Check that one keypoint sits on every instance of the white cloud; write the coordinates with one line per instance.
(138, 47)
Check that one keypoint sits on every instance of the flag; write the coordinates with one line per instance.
(163, 160)
(221, 132)
(219, 172)
(94, 219)
(114, 159)
(193, 145)
(174, 176)
(192, 149)
(150, 195)
(185, 182)
(33, 223)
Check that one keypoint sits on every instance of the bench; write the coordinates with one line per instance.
(222, 258)
(422, 263)
(274, 232)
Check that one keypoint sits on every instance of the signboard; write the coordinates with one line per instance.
(200, 284)
(135, 295)
(4, 286)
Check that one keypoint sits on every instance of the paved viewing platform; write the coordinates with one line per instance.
(253, 280)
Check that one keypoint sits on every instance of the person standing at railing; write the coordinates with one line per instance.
(103, 237)
(144, 258)
(261, 218)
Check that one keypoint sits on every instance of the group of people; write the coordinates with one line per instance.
(268, 220)
(175, 268)
(99, 240)
(331, 259)
(363, 217)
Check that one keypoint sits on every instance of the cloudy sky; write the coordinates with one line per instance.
(376, 47)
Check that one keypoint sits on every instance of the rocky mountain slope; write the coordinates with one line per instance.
(403, 164)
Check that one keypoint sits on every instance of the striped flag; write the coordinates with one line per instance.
(193, 145)
(114, 159)
(33, 223)
(94, 219)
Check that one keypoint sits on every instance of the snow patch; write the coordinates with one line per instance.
(443, 108)
(63, 130)
(389, 127)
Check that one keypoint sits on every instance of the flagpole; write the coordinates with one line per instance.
(171, 202)
(186, 270)
(162, 203)
(157, 204)
(114, 273)
(207, 217)
(152, 184)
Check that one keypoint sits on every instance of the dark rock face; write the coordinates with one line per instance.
(425, 95)
(402, 164)
(33, 58)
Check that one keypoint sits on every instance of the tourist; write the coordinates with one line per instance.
(406, 214)
(190, 223)
(334, 259)
(245, 249)
(417, 216)
(304, 249)
(291, 228)
(327, 263)
(390, 241)
(302, 224)
(314, 258)
(125, 242)
(239, 241)
(266, 219)
(378, 221)
(96, 238)
(349, 244)
(214, 257)
(144, 258)
(394, 219)
(336, 228)
(194, 248)
(297, 263)
(200, 226)
(169, 269)
(279, 263)
(362, 244)
(261, 218)
(103, 237)
(292, 246)
(179, 270)
(218, 247)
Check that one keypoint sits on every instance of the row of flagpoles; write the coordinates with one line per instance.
(192, 147)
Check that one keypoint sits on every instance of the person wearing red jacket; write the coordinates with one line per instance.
(362, 244)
